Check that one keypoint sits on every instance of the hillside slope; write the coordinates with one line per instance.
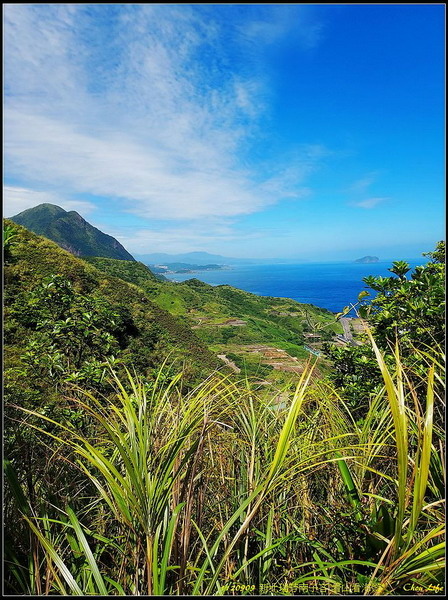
(131, 271)
(250, 328)
(244, 330)
(70, 231)
(71, 317)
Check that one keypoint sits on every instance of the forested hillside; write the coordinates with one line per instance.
(64, 319)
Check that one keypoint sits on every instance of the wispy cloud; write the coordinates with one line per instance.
(207, 234)
(370, 202)
(114, 101)
(362, 184)
(361, 188)
(276, 22)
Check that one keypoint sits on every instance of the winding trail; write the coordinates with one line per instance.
(347, 329)
(229, 363)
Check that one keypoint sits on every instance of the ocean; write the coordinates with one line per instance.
(328, 285)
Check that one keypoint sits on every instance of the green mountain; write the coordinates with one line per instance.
(131, 271)
(71, 232)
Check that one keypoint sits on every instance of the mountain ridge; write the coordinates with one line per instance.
(71, 232)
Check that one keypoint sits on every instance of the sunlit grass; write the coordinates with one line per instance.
(197, 493)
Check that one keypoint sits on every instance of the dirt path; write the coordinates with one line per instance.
(347, 329)
(229, 363)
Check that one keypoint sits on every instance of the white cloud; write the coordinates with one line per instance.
(361, 187)
(17, 199)
(131, 112)
(207, 234)
(370, 202)
(155, 182)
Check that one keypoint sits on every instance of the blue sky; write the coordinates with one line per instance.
(307, 131)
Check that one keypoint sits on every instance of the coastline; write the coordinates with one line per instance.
(326, 285)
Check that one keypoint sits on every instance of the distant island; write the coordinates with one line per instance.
(170, 268)
(367, 259)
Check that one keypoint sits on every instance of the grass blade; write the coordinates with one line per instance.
(87, 551)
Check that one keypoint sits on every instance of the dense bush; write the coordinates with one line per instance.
(408, 309)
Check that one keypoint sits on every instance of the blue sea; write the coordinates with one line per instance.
(328, 285)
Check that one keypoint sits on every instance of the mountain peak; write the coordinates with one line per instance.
(45, 210)
(71, 231)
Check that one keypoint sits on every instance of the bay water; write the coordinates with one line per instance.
(328, 285)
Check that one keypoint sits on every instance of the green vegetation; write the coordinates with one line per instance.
(65, 320)
(408, 309)
(276, 322)
(220, 315)
(130, 271)
(9, 239)
(219, 491)
(70, 231)
(135, 467)
(411, 308)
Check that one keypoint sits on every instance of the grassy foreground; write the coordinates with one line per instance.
(226, 491)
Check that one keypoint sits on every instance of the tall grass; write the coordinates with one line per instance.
(224, 491)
